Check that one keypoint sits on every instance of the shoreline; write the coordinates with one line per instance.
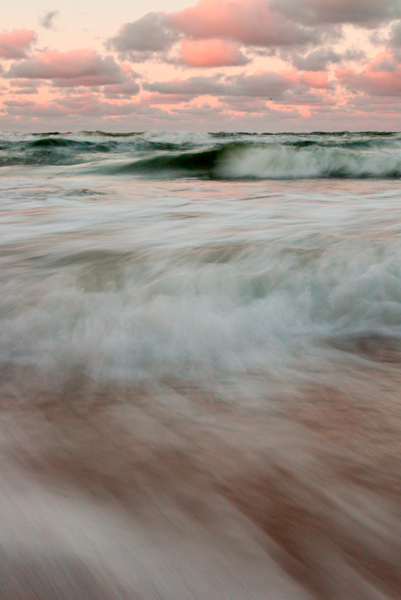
(294, 482)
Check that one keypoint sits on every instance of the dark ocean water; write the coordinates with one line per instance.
(200, 343)
(223, 156)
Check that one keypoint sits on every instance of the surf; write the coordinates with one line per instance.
(225, 156)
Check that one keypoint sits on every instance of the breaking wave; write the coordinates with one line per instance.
(212, 156)
(241, 161)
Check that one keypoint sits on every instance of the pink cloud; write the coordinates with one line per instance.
(212, 32)
(76, 105)
(248, 21)
(315, 79)
(73, 68)
(16, 43)
(211, 53)
(78, 111)
(382, 77)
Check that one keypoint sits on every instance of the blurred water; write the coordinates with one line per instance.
(199, 381)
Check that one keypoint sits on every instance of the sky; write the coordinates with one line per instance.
(206, 65)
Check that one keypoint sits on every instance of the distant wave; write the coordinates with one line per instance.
(221, 155)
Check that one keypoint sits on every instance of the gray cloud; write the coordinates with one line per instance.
(122, 90)
(269, 85)
(25, 83)
(191, 87)
(360, 12)
(151, 33)
(266, 85)
(47, 20)
(320, 59)
(395, 37)
(317, 60)
(28, 90)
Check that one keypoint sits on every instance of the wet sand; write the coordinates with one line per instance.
(246, 488)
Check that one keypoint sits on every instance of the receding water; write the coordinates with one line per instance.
(200, 345)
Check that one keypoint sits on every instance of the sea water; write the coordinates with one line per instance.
(200, 346)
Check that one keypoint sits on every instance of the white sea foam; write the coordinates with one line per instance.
(134, 289)
(281, 162)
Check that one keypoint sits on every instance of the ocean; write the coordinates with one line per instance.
(200, 351)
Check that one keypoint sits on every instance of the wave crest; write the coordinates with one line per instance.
(250, 161)
(213, 156)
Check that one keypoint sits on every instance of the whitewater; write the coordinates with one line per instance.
(200, 351)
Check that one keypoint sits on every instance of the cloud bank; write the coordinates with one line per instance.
(73, 68)
(274, 25)
(225, 61)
